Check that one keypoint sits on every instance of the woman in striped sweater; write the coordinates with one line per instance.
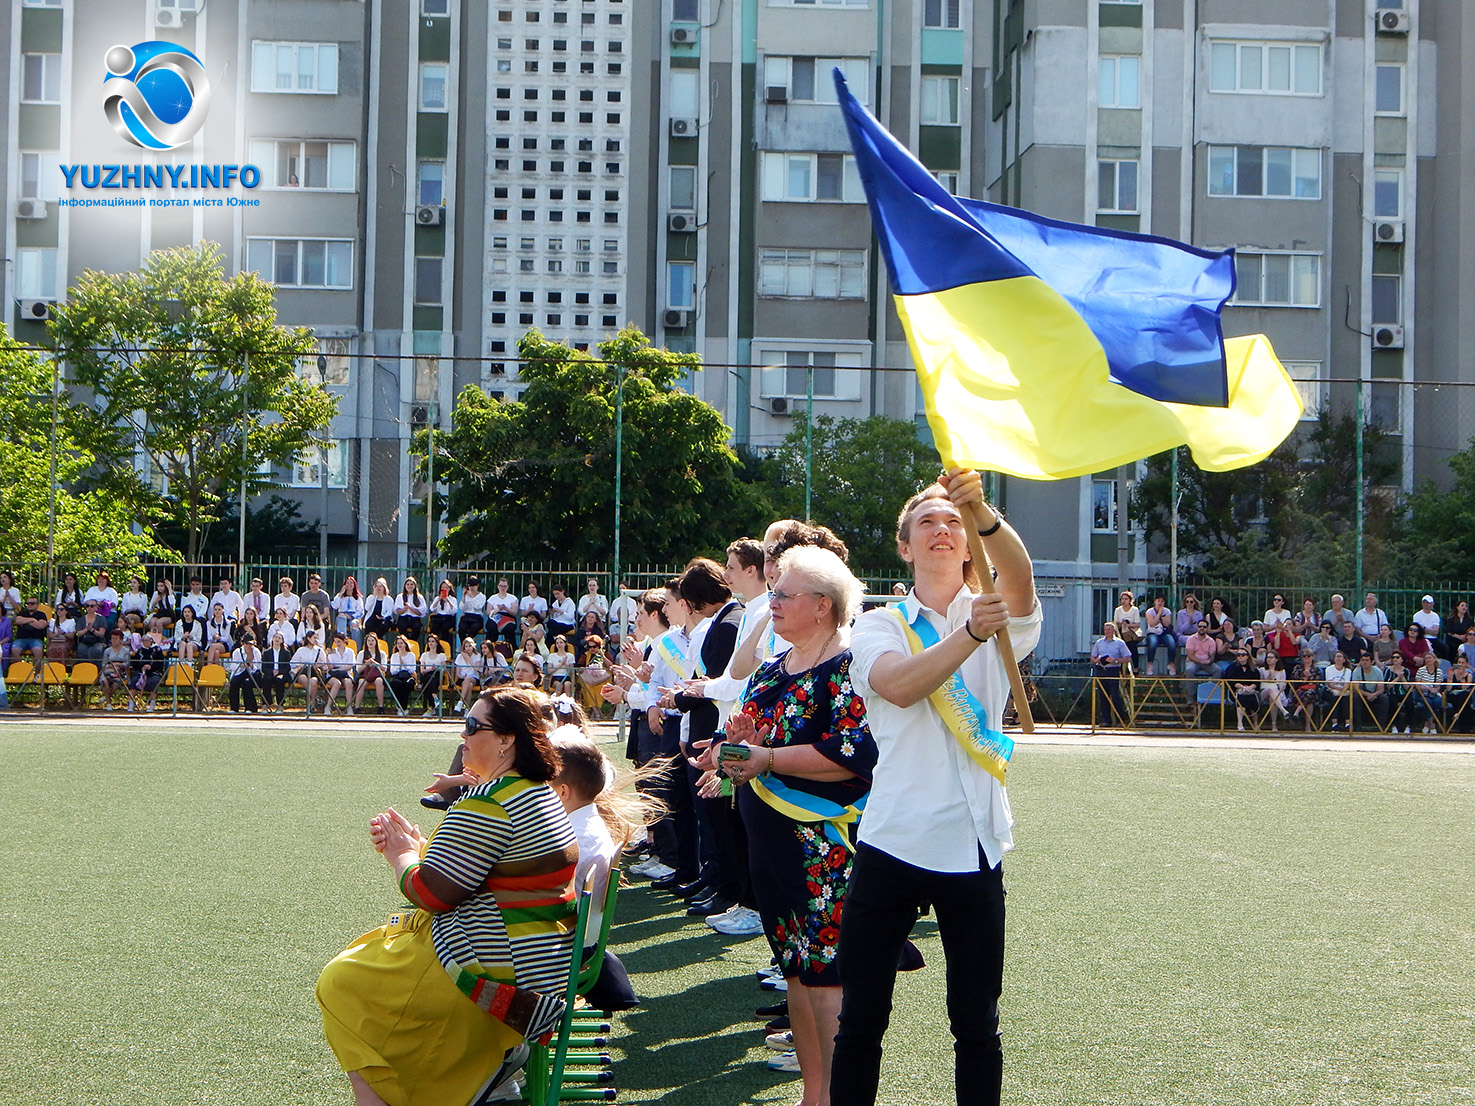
(492, 899)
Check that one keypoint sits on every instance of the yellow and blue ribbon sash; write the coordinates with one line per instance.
(960, 710)
(673, 656)
(804, 807)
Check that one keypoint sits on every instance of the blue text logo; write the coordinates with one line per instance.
(155, 94)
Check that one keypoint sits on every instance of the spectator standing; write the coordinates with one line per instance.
(1128, 621)
(1369, 618)
(473, 609)
(1108, 655)
(245, 675)
(1159, 631)
(563, 616)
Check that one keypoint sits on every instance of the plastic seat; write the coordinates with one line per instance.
(21, 673)
(83, 677)
(212, 680)
(181, 674)
(53, 674)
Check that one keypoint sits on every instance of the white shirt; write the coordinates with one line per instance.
(380, 606)
(286, 629)
(239, 663)
(102, 595)
(10, 600)
(662, 674)
(1368, 622)
(342, 658)
(230, 599)
(534, 604)
(595, 602)
(444, 606)
(473, 602)
(562, 611)
(259, 602)
(309, 655)
(622, 616)
(726, 688)
(596, 850)
(1274, 618)
(413, 605)
(290, 603)
(1430, 621)
(499, 605)
(200, 604)
(468, 666)
(134, 602)
(918, 808)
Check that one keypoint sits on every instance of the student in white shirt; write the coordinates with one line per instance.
(280, 624)
(593, 601)
(410, 608)
(502, 622)
(534, 603)
(227, 597)
(196, 599)
(441, 619)
(245, 675)
(309, 668)
(257, 600)
(286, 599)
(348, 611)
(622, 614)
(342, 669)
(937, 823)
(379, 609)
(473, 609)
(9, 594)
(220, 634)
(468, 673)
(563, 616)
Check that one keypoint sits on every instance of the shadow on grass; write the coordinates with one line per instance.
(691, 1045)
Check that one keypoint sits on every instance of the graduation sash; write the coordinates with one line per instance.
(960, 710)
(673, 656)
(804, 807)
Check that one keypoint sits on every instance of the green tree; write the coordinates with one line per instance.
(89, 525)
(166, 353)
(1436, 545)
(861, 472)
(534, 479)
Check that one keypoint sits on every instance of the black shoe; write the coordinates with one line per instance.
(707, 907)
(665, 883)
(776, 1010)
(693, 892)
(436, 802)
(779, 1024)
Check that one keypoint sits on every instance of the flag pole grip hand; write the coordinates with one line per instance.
(974, 524)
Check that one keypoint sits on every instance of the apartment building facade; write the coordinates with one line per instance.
(439, 175)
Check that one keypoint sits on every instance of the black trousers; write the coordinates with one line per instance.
(881, 906)
(246, 682)
(273, 688)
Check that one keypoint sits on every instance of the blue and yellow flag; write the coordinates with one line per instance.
(1049, 349)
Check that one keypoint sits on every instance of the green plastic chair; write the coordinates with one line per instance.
(576, 1066)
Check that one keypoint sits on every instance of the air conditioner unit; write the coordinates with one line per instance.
(681, 222)
(1390, 231)
(674, 319)
(429, 215)
(1387, 336)
(36, 311)
(168, 17)
(776, 94)
(422, 414)
(682, 127)
(1392, 21)
(778, 405)
(683, 36)
(30, 208)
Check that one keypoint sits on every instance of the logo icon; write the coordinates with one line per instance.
(155, 94)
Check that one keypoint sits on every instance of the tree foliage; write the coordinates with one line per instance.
(861, 472)
(1437, 545)
(166, 353)
(534, 479)
(89, 526)
(1291, 516)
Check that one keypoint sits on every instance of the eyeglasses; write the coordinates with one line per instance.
(785, 596)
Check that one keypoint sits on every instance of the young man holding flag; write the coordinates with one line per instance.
(937, 823)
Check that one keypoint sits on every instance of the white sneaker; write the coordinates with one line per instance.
(789, 1061)
(778, 983)
(646, 866)
(738, 922)
(780, 1042)
(654, 869)
(460, 708)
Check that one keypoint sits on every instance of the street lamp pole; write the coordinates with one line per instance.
(619, 460)
(245, 433)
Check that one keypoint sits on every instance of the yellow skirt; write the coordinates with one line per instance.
(392, 1014)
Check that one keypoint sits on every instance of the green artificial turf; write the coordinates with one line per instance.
(1186, 926)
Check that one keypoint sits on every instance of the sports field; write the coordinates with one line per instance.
(1188, 925)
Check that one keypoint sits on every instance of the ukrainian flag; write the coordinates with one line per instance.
(1051, 350)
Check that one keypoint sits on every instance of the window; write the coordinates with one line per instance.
(1387, 300)
(35, 273)
(1118, 82)
(1277, 279)
(940, 13)
(940, 101)
(1307, 377)
(328, 166)
(330, 365)
(41, 78)
(1387, 193)
(435, 7)
(1388, 90)
(294, 67)
(684, 11)
(824, 3)
(1103, 506)
(1116, 186)
(821, 274)
(307, 468)
(1281, 69)
(808, 178)
(428, 272)
(807, 79)
(681, 284)
(684, 93)
(797, 366)
(948, 178)
(38, 175)
(430, 185)
(433, 76)
(1265, 171)
(302, 263)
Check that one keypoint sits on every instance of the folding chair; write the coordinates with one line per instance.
(180, 674)
(83, 677)
(20, 674)
(1210, 694)
(53, 674)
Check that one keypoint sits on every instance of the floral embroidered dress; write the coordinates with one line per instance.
(800, 868)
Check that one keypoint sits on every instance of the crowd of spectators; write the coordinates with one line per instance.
(404, 648)
(1349, 669)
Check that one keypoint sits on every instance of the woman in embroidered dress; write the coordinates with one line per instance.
(805, 731)
(413, 1032)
